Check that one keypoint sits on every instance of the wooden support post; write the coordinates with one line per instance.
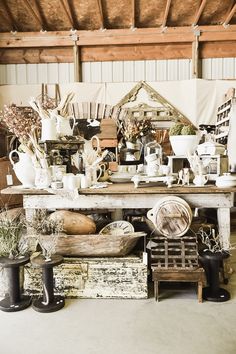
(196, 62)
(77, 63)
(76, 57)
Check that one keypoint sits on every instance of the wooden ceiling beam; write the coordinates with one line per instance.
(199, 12)
(167, 9)
(229, 16)
(100, 9)
(10, 17)
(66, 9)
(110, 53)
(117, 37)
(35, 14)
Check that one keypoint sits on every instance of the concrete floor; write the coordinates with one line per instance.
(176, 325)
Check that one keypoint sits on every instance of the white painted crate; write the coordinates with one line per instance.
(108, 277)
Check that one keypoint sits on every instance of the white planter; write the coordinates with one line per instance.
(184, 144)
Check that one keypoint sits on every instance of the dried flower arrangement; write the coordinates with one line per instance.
(19, 121)
(133, 129)
(45, 231)
(13, 243)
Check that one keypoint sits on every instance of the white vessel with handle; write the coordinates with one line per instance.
(23, 169)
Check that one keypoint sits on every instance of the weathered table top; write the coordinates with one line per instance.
(128, 188)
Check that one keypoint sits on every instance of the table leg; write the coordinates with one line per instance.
(223, 216)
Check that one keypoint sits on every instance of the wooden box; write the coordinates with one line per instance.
(118, 278)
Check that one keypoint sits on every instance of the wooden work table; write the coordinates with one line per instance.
(125, 196)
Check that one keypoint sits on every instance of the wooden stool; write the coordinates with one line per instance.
(48, 302)
(179, 275)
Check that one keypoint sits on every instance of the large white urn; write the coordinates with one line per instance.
(23, 169)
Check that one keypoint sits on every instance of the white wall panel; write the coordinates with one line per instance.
(107, 68)
(184, 69)
(139, 70)
(116, 71)
(228, 68)
(96, 71)
(42, 73)
(71, 72)
(21, 74)
(217, 68)
(11, 74)
(161, 70)
(86, 72)
(32, 74)
(172, 69)
(3, 74)
(53, 73)
(128, 71)
(63, 73)
(150, 70)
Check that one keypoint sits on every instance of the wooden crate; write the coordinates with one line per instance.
(114, 277)
(178, 253)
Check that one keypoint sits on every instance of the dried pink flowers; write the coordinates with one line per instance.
(133, 128)
(20, 121)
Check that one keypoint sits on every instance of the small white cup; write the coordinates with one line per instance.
(73, 182)
(84, 183)
(65, 180)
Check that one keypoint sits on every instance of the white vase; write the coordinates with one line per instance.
(184, 144)
(49, 130)
(23, 169)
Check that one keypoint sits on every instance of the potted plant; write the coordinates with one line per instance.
(13, 255)
(183, 138)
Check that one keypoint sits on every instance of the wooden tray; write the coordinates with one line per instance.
(97, 245)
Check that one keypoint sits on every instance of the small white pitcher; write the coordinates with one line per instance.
(200, 180)
(63, 125)
(49, 129)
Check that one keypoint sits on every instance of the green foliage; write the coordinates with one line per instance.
(12, 243)
(188, 130)
(181, 129)
(176, 129)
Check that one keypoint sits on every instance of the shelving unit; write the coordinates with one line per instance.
(223, 120)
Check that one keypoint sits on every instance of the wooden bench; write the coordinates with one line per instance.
(178, 275)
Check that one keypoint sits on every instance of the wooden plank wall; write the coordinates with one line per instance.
(116, 71)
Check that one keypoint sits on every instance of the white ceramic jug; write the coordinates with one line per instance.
(49, 129)
(24, 168)
(63, 126)
(200, 180)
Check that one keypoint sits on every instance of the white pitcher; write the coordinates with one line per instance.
(63, 125)
(200, 180)
(24, 168)
(49, 129)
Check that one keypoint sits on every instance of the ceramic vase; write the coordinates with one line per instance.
(23, 169)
